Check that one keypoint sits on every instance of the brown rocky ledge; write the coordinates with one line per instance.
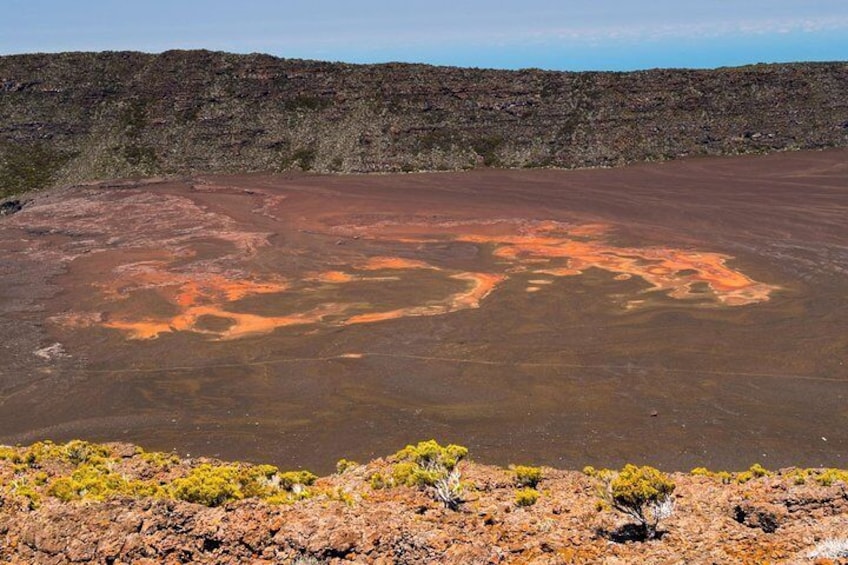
(114, 503)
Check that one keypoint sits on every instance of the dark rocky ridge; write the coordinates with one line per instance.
(74, 117)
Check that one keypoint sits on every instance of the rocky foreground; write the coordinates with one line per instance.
(115, 503)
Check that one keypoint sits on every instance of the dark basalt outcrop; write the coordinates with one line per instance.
(74, 117)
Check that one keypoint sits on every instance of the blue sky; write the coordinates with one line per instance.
(550, 34)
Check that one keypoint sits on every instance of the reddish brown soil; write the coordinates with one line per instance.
(681, 314)
(768, 520)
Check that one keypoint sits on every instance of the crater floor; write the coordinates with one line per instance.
(678, 314)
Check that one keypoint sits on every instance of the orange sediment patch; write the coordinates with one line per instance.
(665, 269)
(332, 277)
(396, 263)
(218, 288)
(481, 285)
(541, 248)
(242, 325)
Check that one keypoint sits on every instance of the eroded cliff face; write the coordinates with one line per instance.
(80, 116)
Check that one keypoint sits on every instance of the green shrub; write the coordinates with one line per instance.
(829, 476)
(487, 148)
(413, 475)
(425, 463)
(341, 495)
(216, 485)
(285, 497)
(259, 481)
(527, 476)
(642, 493)
(75, 452)
(756, 471)
(24, 491)
(798, 476)
(428, 464)
(722, 476)
(604, 475)
(94, 482)
(162, 461)
(78, 451)
(208, 485)
(526, 497)
(377, 481)
(10, 454)
(344, 465)
(431, 454)
(291, 478)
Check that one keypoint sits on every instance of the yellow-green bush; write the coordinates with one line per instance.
(344, 465)
(431, 454)
(527, 476)
(209, 485)
(284, 497)
(74, 452)
(829, 476)
(96, 482)
(526, 497)
(11, 454)
(600, 474)
(259, 481)
(341, 495)
(412, 475)
(215, 485)
(722, 476)
(378, 481)
(160, 460)
(88, 471)
(291, 478)
(636, 486)
(421, 465)
(643, 493)
(798, 476)
(78, 451)
(24, 491)
(756, 471)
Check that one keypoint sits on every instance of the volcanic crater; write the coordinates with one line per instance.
(679, 314)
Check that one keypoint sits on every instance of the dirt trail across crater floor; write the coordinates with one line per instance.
(681, 314)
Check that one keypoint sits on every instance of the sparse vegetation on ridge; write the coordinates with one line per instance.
(425, 487)
(90, 472)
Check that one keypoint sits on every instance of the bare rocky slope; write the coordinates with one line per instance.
(76, 117)
(114, 503)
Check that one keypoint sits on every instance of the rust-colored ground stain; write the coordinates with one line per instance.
(559, 249)
(392, 263)
(582, 247)
(549, 317)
